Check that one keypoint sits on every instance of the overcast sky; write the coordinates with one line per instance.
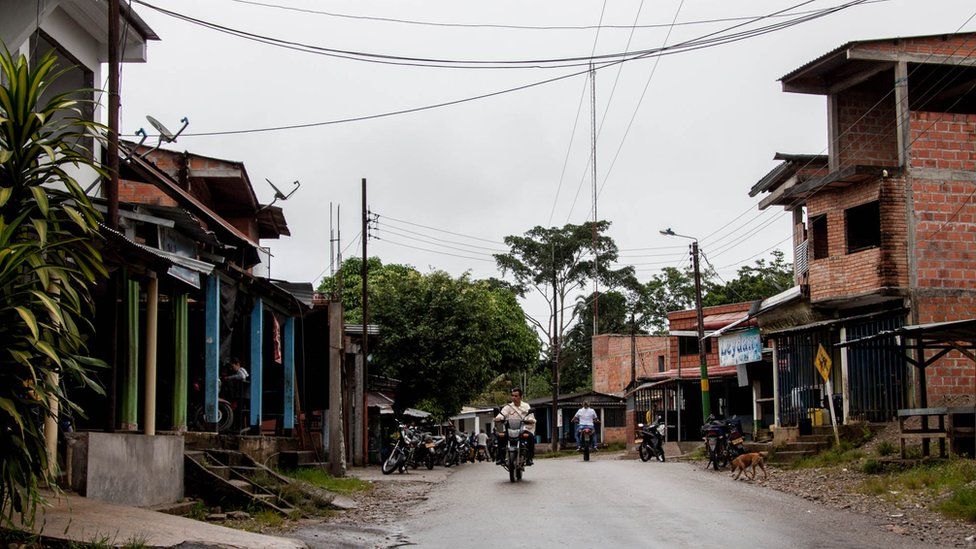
(705, 131)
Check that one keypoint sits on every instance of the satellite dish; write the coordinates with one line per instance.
(164, 133)
(278, 194)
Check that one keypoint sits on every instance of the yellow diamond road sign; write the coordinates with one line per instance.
(823, 362)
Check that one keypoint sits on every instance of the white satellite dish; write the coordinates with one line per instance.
(164, 133)
(165, 136)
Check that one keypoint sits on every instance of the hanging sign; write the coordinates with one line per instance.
(740, 348)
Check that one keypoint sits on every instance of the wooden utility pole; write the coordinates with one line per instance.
(633, 351)
(702, 356)
(111, 193)
(555, 362)
(337, 450)
(365, 345)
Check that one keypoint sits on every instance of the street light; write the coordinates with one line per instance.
(702, 356)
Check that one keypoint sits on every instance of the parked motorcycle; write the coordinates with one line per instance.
(723, 440)
(404, 450)
(514, 442)
(198, 413)
(651, 440)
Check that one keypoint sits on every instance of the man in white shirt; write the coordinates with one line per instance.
(520, 410)
(585, 417)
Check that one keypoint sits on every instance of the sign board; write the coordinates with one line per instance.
(174, 242)
(559, 418)
(822, 362)
(742, 375)
(740, 348)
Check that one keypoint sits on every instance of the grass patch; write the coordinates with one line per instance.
(935, 480)
(837, 455)
(321, 479)
(961, 504)
(885, 448)
(872, 467)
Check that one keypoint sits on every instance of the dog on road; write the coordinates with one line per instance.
(746, 461)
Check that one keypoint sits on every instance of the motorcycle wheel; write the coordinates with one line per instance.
(225, 416)
(645, 453)
(512, 466)
(660, 454)
(518, 474)
(392, 462)
(429, 462)
(586, 451)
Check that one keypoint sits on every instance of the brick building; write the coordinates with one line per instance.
(884, 226)
(612, 360)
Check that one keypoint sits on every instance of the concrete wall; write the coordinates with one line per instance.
(128, 469)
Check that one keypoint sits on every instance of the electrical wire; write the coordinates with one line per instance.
(388, 218)
(424, 235)
(512, 27)
(433, 251)
(431, 242)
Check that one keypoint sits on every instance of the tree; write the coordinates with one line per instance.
(576, 355)
(444, 338)
(48, 265)
(556, 262)
(670, 290)
(754, 282)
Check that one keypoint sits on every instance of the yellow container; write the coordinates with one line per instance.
(817, 416)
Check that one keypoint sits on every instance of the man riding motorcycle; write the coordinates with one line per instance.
(585, 418)
(517, 410)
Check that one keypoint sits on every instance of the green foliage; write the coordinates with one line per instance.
(961, 504)
(836, 455)
(759, 281)
(576, 356)
(670, 290)
(321, 479)
(872, 467)
(951, 481)
(885, 448)
(444, 338)
(48, 263)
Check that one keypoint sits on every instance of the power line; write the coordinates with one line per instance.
(691, 47)
(433, 243)
(384, 216)
(433, 251)
(424, 235)
(512, 27)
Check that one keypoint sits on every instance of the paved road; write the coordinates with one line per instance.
(623, 503)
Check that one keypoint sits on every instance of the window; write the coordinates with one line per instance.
(660, 363)
(818, 226)
(688, 345)
(614, 417)
(863, 227)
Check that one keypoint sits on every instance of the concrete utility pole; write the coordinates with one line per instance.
(554, 428)
(337, 450)
(633, 350)
(365, 345)
(702, 356)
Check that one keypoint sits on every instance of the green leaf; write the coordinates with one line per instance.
(7, 405)
(5, 192)
(40, 195)
(47, 349)
(29, 320)
(41, 227)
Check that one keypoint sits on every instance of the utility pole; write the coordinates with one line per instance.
(555, 361)
(596, 283)
(633, 351)
(365, 345)
(331, 245)
(111, 193)
(702, 356)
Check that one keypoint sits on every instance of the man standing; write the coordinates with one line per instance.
(516, 409)
(585, 417)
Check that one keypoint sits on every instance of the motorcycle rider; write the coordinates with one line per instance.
(518, 410)
(585, 417)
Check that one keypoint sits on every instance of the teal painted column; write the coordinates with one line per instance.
(289, 393)
(181, 355)
(130, 381)
(212, 348)
(257, 364)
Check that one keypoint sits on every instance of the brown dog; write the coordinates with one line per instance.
(745, 461)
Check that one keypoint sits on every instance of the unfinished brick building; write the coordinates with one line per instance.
(884, 226)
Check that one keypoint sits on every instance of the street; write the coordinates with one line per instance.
(609, 502)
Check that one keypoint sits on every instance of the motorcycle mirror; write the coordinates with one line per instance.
(640, 424)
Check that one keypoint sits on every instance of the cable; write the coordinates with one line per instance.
(433, 243)
(509, 27)
(439, 230)
(433, 251)
(496, 250)
(797, 21)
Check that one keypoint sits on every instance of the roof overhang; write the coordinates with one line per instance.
(836, 179)
(93, 17)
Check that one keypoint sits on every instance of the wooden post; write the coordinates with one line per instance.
(212, 348)
(337, 450)
(152, 318)
(130, 383)
(776, 420)
(833, 416)
(181, 355)
(257, 365)
(289, 385)
(845, 376)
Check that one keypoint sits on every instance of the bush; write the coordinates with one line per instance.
(48, 265)
(885, 448)
(961, 504)
(872, 467)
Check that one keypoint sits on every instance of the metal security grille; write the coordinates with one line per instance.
(877, 373)
(800, 386)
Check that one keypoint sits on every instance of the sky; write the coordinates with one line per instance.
(704, 132)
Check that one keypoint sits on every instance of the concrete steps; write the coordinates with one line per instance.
(293, 459)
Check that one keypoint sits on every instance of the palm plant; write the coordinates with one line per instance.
(48, 265)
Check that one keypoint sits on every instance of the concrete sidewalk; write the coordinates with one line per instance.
(75, 518)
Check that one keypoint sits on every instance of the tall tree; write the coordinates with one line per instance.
(670, 290)
(48, 266)
(444, 338)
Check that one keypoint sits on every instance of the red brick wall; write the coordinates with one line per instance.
(143, 193)
(943, 140)
(842, 274)
(866, 128)
(950, 380)
(688, 321)
(611, 360)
